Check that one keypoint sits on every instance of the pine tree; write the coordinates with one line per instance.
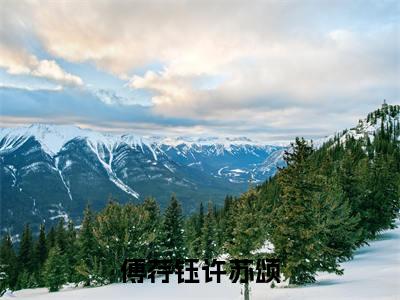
(152, 227)
(71, 251)
(227, 223)
(295, 235)
(380, 199)
(172, 242)
(61, 235)
(25, 256)
(200, 220)
(248, 233)
(191, 238)
(41, 248)
(51, 238)
(194, 233)
(8, 261)
(4, 280)
(40, 255)
(314, 226)
(337, 226)
(120, 233)
(55, 269)
(208, 236)
(86, 248)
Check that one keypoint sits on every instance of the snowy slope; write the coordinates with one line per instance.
(373, 274)
(43, 165)
(54, 137)
(386, 116)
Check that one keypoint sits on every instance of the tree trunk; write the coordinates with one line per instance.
(246, 291)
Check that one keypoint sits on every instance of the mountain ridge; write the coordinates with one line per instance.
(52, 171)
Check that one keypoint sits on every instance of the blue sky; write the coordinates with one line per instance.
(269, 70)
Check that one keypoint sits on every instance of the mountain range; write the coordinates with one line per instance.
(49, 172)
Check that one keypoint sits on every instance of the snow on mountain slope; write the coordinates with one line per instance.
(203, 141)
(372, 275)
(386, 116)
(54, 137)
(209, 154)
(51, 164)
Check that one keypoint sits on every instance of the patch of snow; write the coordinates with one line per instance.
(57, 160)
(169, 168)
(220, 171)
(268, 247)
(238, 171)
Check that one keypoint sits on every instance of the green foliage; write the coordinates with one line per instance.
(40, 255)
(26, 259)
(55, 269)
(40, 250)
(208, 236)
(295, 234)
(86, 248)
(246, 228)
(9, 264)
(4, 281)
(119, 233)
(151, 235)
(172, 239)
(72, 252)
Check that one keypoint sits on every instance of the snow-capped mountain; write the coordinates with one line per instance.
(387, 115)
(53, 171)
(384, 117)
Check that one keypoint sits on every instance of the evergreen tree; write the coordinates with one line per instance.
(227, 222)
(336, 227)
(40, 255)
(26, 257)
(120, 233)
(208, 237)
(314, 227)
(152, 227)
(61, 235)
(51, 238)
(71, 251)
(172, 242)
(86, 248)
(295, 230)
(4, 281)
(41, 248)
(380, 197)
(194, 233)
(191, 237)
(248, 233)
(55, 269)
(8, 261)
(200, 220)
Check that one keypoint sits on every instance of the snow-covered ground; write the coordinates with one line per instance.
(373, 274)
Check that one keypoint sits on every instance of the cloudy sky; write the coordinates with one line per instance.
(269, 70)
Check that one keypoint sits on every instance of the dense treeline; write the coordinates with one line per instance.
(94, 253)
(315, 212)
(328, 202)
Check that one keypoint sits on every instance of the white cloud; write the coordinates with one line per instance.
(16, 34)
(51, 70)
(18, 62)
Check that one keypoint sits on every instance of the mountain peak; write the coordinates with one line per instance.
(53, 137)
